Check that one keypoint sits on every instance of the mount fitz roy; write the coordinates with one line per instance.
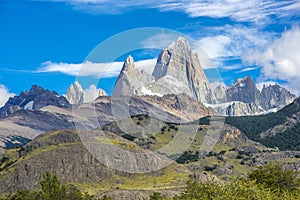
(178, 71)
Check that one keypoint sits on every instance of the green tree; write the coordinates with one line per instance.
(276, 177)
(52, 189)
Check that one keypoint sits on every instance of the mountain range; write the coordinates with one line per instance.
(42, 131)
(178, 71)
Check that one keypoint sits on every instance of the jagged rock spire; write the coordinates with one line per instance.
(75, 93)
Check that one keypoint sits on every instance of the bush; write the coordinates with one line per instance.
(51, 189)
(156, 196)
(276, 177)
(187, 157)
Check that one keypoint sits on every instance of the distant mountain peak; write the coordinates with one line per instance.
(36, 98)
(243, 90)
(275, 96)
(75, 93)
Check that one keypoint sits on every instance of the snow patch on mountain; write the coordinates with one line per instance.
(29, 105)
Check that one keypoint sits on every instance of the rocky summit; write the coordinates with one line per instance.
(244, 98)
(178, 70)
(275, 96)
(243, 90)
(76, 95)
(178, 62)
(36, 98)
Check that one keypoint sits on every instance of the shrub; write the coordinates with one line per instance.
(51, 189)
(276, 177)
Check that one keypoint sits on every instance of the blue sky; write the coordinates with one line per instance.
(44, 41)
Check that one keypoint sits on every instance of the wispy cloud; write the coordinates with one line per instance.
(247, 69)
(4, 95)
(230, 67)
(102, 70)
(238, 10)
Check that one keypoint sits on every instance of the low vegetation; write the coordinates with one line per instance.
(272, 181)
(269, 182)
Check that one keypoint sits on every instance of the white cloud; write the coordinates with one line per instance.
(101, 70)
(91, 93)
(280, 60)
(4, 95)
(215, 46)
(233, 41)
(238, 10)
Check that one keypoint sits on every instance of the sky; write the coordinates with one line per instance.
(48, 42)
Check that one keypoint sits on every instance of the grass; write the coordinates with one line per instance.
(118, 143)
(170, 178)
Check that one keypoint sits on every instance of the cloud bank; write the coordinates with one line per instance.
(91, 93)
(280, 60)
(4, 95)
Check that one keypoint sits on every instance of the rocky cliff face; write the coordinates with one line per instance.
(36, 98)
(102, 93)
(243, 90)
(180, 67)
(62, 152)
(179, 71)
(220, 93)
(275, 96)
